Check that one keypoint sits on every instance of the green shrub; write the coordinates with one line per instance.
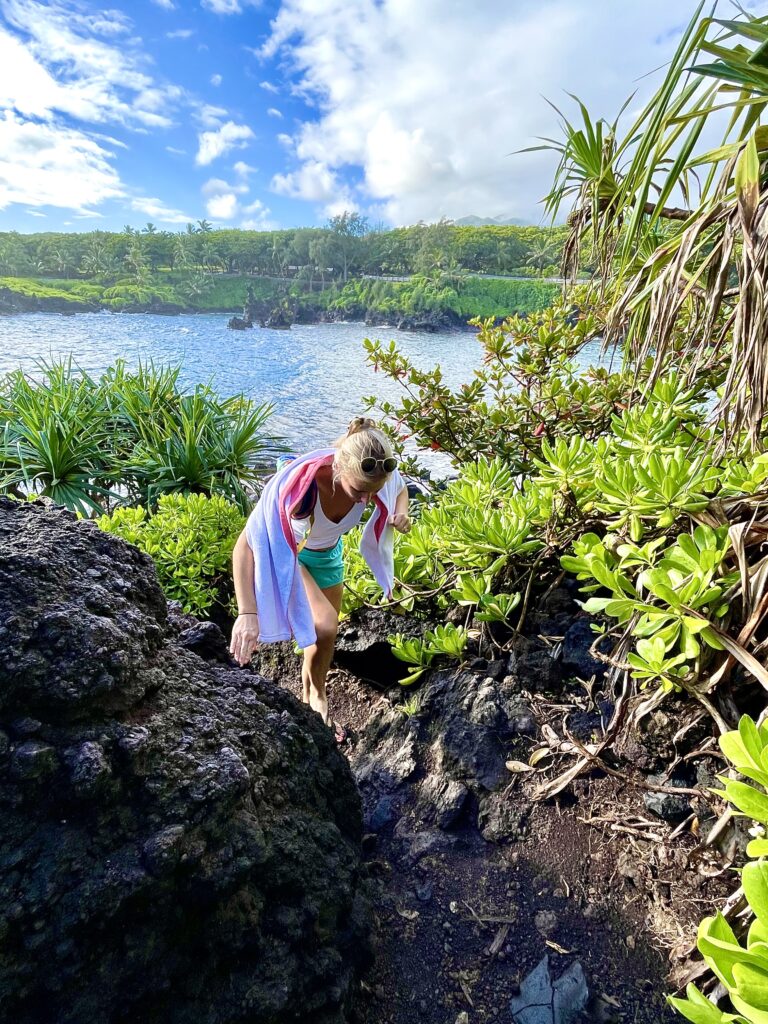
(740, 966)
(190, 538)
(126, 437)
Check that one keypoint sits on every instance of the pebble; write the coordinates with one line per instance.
(424, 892)
(546, 922)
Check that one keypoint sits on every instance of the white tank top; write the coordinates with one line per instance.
(324, 533)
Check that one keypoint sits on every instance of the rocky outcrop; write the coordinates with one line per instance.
(451, 754)
(179, 839)
(443, 766)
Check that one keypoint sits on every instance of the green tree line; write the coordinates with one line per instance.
(347, 246)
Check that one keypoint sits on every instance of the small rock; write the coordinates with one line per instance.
(206, 640)
(33, 760)
(383, 813)
(478, 664)
(426, 843)
(543, 1002)
(463, 1018)
(667, 805)
(441, 800)
(26, 726)
(523, 725)
(89, 769)
(424, 892)
(575, 651)
(546, 923)
(495, 669)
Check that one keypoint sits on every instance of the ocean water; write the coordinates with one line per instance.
(314, 375)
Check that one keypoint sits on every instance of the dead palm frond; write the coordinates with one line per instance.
(691, 280)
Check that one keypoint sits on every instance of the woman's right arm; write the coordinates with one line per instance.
(245, 632)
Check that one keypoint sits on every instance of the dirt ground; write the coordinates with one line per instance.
(457, 929)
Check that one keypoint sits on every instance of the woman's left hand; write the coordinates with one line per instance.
(401, 522)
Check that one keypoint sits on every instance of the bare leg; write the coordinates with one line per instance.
(325, 605)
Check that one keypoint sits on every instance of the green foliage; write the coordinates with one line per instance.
(345, 246)
(474, 528)
(478, 591)
(741, 967)
(125, 438)
(528, 389)
(448, 641)
(465, 296)
(671, 596)
(190, 538)
(55, 438)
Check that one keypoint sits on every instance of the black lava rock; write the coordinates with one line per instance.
(179, 840)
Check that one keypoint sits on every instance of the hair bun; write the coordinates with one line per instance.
(360, 423)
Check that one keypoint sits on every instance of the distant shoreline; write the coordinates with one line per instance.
(15, 304)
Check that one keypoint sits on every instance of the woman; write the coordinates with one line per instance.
(287, 562)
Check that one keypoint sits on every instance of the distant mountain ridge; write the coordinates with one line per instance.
(482, 222)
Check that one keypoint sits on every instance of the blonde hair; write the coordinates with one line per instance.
(363, 440)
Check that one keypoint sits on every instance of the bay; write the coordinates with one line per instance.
(315, 375)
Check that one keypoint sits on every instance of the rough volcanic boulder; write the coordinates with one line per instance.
(451, 753)
(179, 839)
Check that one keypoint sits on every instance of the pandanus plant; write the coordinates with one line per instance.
(687, 283)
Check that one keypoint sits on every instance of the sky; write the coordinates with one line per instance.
(283, 113)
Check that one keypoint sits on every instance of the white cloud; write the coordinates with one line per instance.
(210, 116)
(218, 187)
(268, 85)
(35, 213)
(175, 151)
(429, 131)
(52, 165)
(62, 63)
(313, 181)
(274, 112)
(229, 6)
(216, 80)
(243, 169)
(285, 140)
(257, 218)
(180, 33)
(223, 203)
(222, 207)
(157, 210)
(55, 63)
(214, 144)
(167, 5)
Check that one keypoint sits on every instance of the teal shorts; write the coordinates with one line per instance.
(325, 567)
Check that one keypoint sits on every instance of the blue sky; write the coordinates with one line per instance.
(283, 112)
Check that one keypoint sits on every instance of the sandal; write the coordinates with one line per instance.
(340, 733)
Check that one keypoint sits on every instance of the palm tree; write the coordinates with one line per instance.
(698, 298)
(542, 253)
(204, 226)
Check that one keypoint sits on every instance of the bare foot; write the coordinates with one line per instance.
(320, 705)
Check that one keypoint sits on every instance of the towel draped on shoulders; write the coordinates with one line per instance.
(281, 599)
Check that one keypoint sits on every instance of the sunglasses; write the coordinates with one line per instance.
(369, 464)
